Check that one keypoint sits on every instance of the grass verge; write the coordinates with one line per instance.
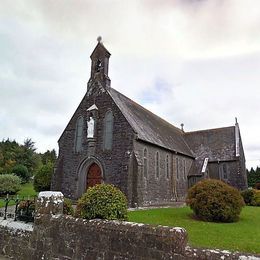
(243, 236)
(26, 190)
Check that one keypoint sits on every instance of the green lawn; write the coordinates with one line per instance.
(26, 190)
(243, 236)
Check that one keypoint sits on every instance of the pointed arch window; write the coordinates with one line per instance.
(157, 166)
(177, 168)
(108, 130)
(167, 166)
(145, 163)
(184, 170)
(224, 171)
(79, 134)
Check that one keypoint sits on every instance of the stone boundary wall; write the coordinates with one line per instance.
(56, 236)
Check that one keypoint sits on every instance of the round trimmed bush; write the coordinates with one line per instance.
(9, 184)
(214, 200)
(102, 201)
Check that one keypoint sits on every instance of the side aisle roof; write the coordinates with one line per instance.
(216, 144)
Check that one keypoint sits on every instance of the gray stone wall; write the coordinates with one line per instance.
(115, 163)
(236, 177)
(161, 190)
(55, 236)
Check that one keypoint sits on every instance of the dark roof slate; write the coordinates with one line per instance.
(150, 127)
(216, 144)
(196, 167)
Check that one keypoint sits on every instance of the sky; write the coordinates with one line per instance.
(195, 62)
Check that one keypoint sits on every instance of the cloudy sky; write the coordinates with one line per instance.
(195, 62)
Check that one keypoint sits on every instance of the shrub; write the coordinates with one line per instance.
(256, 198)
(257, 186)
(102, 201)
(251, 197)
(67, 207)
(22, 172)
(25, 211)
(42, 179)
(9, 183)
(214, 200)
(248, 196)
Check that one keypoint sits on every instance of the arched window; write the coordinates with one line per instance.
(177, 168)
(167, 166)
(108, 130)
(224, 172)
(145, 163)
(157, 169)
(78, 134)
(184, 170)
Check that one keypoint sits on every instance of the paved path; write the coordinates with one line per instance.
(10, 209)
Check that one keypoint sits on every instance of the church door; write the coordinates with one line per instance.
(94, 175)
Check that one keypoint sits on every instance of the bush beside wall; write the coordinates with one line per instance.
(103, 201)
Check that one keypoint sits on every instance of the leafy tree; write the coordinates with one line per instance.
(29, 144)
(253, 177)
(9, 184)
(42, 179)
(22, 172)
(16, 158)
(13, 154)
(49, 156)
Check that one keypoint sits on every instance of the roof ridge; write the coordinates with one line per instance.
(210, 129)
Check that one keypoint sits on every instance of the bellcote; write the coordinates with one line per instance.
(99, 64)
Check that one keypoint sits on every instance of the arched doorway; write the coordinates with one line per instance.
(94, 176)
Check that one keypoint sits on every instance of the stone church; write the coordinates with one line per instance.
(112, 139)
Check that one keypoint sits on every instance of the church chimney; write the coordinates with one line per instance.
(99, 64)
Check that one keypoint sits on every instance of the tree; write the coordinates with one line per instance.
(12, 154)
(22, 172)
(29, 144)
(49, 156)
(42, 179)
(253, 177)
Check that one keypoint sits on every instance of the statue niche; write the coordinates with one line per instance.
(91, 127)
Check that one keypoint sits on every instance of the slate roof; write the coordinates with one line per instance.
(196, 167)
(150, 127)
(216, 144)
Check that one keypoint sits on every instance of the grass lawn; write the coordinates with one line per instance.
(26, 190)
(243, 236)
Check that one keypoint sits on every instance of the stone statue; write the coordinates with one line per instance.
(91, 125)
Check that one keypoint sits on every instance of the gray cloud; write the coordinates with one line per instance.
(189, 61)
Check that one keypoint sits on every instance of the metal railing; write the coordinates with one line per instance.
(18, 208)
